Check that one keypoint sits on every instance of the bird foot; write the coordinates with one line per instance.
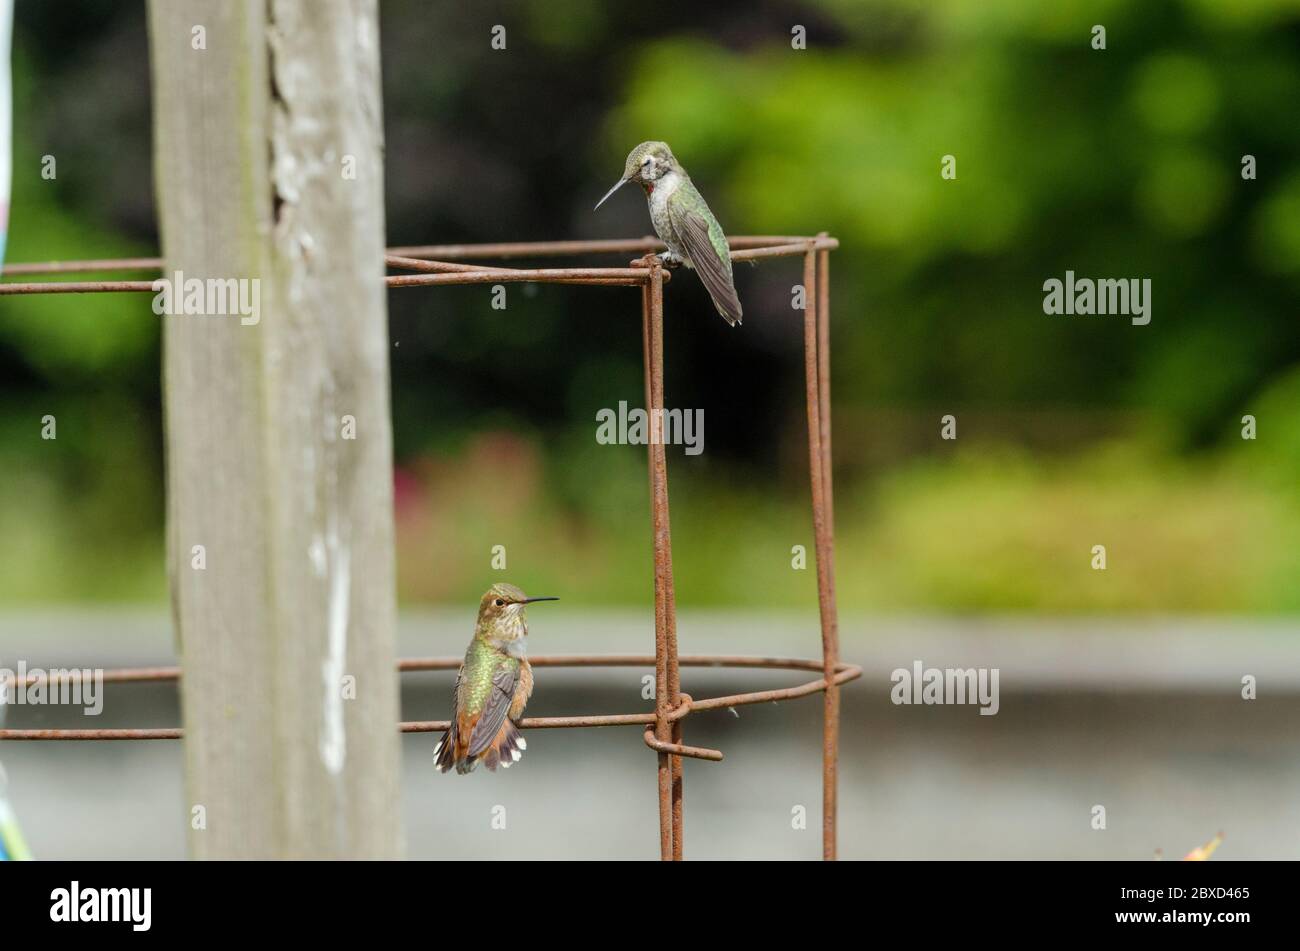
(667, 259)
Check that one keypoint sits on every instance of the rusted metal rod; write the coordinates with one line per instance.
(125, 675)
(434, 267)
(831, 642)
(824, 386)
(784, 250)
(78, 287)
(451, 267)
(427, 266)
(670, 608)
(665, 697)
(677, 751)
(744, 248)
(845, 673)
(85, 267)
(581, 275)
(544, 249)
(612, 277)
(669, 595)
(821, 537)
(662, 776)
(165, 733)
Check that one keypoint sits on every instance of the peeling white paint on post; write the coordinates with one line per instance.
(296, 522)
(334, 744)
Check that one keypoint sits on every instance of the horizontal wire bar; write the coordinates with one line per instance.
(539, 249)
(78, 287)
(785, 250)
(616, 277)
(631, 276)
(425, 264)
(619, 276)
(845, 673)
(123, 675)
(84, 267)
(747, 248)
(164, 733)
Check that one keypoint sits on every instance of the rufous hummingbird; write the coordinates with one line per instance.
(493, 685)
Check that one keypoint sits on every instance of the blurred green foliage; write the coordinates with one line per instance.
(1073, 431)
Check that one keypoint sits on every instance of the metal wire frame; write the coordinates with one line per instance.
(136, 675)
(440, 264)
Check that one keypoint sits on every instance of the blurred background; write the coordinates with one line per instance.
(1072, 431)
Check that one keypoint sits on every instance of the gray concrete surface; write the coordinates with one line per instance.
(1143, 717)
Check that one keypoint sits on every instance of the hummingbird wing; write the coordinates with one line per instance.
(447, 751)
(706, 246)
(495, 709)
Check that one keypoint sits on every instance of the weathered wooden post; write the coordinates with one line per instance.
(267, 156)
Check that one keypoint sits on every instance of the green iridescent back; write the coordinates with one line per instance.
(482, 662)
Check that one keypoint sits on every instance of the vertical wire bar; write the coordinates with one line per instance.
(824, 401)
(669, 596)
(664, 770)
(822, 542)
(831, 643)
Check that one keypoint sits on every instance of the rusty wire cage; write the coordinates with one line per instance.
(663, 728)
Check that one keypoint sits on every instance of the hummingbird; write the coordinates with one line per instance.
(683, 221)
(493, 684)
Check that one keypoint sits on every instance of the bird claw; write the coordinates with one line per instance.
(667, 259)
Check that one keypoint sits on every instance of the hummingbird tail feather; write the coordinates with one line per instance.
(507, 749)
(444, 754)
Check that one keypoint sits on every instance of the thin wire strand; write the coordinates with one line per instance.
(844, 673)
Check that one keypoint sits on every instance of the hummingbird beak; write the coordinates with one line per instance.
(621, 182)
(531, 600)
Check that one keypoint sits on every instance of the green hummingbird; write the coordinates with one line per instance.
(494, 683)
(683, 221)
